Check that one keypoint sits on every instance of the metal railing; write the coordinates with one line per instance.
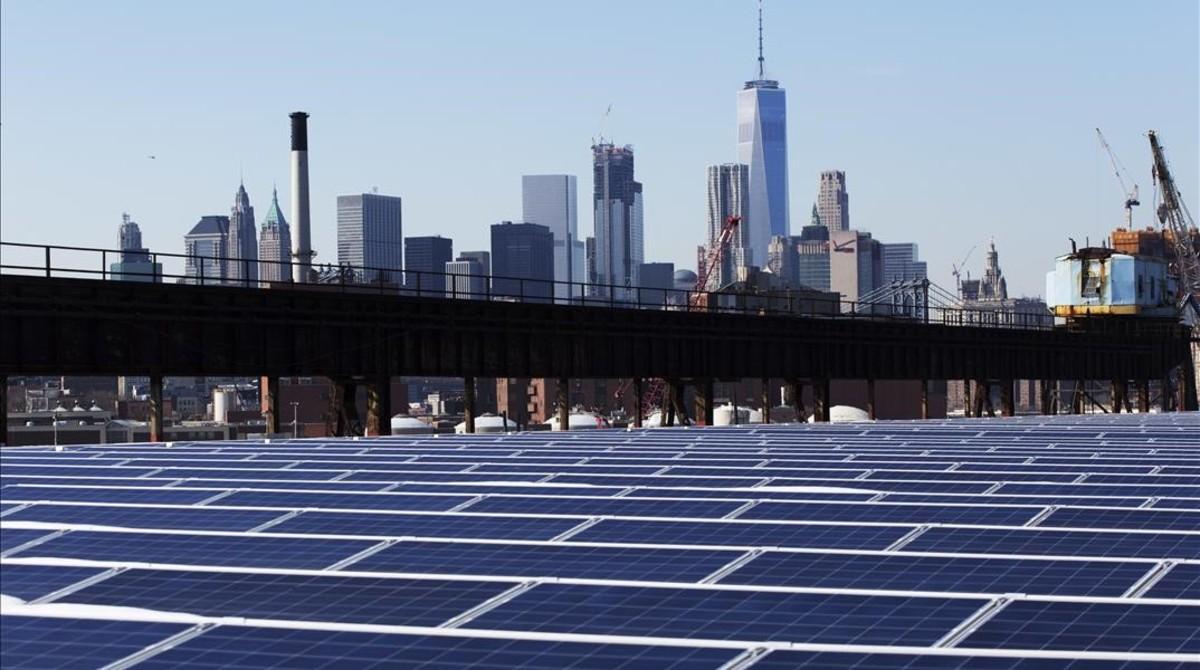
(148, 266)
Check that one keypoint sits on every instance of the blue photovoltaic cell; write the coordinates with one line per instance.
(277, 552)
(730, 615)
(884, 512)
(785, 659)
(88, 481)
(376, 600)
(446, 525)
(886, 485)
(72, 471)
(936, 573)
(992, 498)
(482, 487)
(146, 517)
(29, 582)
(1145, 519)
(1177, 503)
(696, 471)
(385, 477)
(1181, 581)
(297, 500)
(1101, 478)
(242, 647)
(1057, 542)
(966, 475)
(230, 473)
(758, 534)
(605, 506)
(161, 495)
(661, 480)
(1090, 626)
(1085, 489)
(67, 644)
(548, 561)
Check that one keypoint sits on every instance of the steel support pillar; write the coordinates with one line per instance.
(677, 403)
(1191, 403)
(798, 399)
(982, 398)
(269, 388)
(1143, 393)
(704, 401)
(821, 400)
(924, 398)
(3, 409)
(766, 400)
(871, 399)
(469, 405)
(156, 408)
(968, 407)
(1077, 398)
(1007, 404)
(638, 410)
(379, 406)
(1164, 399)
(564, 403)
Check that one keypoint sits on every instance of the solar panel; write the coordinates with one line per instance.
(246, 647)
(940, 573)
(374, 600)
(743, 534)
(29, 582)
(730, 614)
(145, 517)
(495, 550)
(594, 562)
(279, 552)
(1091, 627)
(444, 525)
(1058, 542)
(1181, 581)
(36, 642)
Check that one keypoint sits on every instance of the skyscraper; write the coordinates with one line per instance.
(617, 199)
(550, 200)
(274, 245)
(466, 279)
(900, 263)
(425, 255)
(762, 145)
(833, 202)
(484, 258)
(728, 187)
(135, 263)
(369, 235)
(522, 261)
(855, 263)
(242, 247)
(205, 246)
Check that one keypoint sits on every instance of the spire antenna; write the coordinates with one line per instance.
(760, 46)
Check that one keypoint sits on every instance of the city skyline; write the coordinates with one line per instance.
(896, 118)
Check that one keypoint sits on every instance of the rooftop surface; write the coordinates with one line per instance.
(1047, 542)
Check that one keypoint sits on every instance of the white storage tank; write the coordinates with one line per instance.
(580, 421)
(403, 424)
(488, 423)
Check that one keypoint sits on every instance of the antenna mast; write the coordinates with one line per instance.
(760, 46)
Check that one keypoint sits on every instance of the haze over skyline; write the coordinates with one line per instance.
(954, 122)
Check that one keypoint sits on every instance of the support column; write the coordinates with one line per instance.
(156, 408)
(638, 410)
(704, 401)
(924, 398)
(1143, 392)
(564, 403)
(981, 393)
(967, 406)
(821, 400)
(3, 409)
(677, 401)
(379, 406)
(269, 389)
(1164, 399)
(798, 399)
(1077, 398)
(766, 400)
(1007, 406)
(469, 404)
(871, 399)
(667, 411)
(1191, 402)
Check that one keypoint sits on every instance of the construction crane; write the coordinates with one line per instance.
(1131, 195)
(697, 299)
(956, 270)
(1177, 223)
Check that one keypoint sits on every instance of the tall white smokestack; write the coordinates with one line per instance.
(301, 234)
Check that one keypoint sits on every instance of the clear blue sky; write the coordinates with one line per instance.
(955, 121)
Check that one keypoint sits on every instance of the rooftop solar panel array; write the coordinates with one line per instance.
(1036, 542)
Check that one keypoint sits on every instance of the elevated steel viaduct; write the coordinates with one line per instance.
(71, 326)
